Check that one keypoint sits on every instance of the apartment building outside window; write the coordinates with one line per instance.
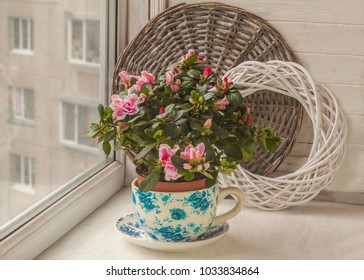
(23, 104)
(76, 119)
(22, 173)
(22, 34)
(84, 41)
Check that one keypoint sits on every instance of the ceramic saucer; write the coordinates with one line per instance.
(130, 229)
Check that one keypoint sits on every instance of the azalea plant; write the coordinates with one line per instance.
(186, 125)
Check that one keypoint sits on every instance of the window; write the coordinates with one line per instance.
(23, 104)
(76, 119)
(66, 185)
(84, 41)
(22, 173)
(22, 34)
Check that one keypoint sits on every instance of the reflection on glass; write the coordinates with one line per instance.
(46, 102)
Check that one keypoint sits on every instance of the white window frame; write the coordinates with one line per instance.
(30, 28)
(21, 118)
(74, 144)
(76, 203)
(82, 61)
(23, 186)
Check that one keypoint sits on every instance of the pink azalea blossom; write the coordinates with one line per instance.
(220, 104)
(142, 98)
(145, 78)
(162, 110)
(165, 154)
(207, 72)
(148, 76)
(200, 57)
(123, 107)
(190, 52)
(175, 88)
(171, 172)
(207, 123)
(133, 89)
(125, 78)
(250, 119)
(193, 153)
(187, 166)
(169, 78)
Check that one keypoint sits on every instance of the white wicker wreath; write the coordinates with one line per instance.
(329, 134)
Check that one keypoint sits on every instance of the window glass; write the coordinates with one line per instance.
(46, 114)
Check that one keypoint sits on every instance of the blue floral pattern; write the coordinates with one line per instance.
(175, 217)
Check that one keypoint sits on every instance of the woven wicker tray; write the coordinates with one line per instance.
(225, 36)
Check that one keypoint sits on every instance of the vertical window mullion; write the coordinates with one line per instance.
(84, 43)
(76, 123)
(20, 34)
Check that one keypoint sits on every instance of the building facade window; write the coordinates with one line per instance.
(23, 104)
(76, 119)
(84, 41)
(22, 173)
(22, 34)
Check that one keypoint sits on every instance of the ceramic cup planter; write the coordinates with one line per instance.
(184, 215)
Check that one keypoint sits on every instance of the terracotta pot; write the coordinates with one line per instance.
(176, 186)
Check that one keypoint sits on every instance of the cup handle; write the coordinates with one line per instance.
(224, 192)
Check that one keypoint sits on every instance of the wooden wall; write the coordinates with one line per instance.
(327, 37)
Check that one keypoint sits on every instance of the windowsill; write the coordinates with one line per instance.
(79, 148)
(21, 121)
(314, 230)
(21, 52)
(23, 188)
(85, 66)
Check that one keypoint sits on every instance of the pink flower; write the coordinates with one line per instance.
(169, 78)
(148, 76)
(165, 154)
(162, 110)
(190, 52)
(200, 57)
(220, 104)
(187, 166)
(207, 72)
(175, 88)
(250, 119)
(175, 70)
(171, 172)
(130, 104)
(142, 98)
(133, 89)
(123, 107)
(125, 78)
(193, 153)
(207, 123)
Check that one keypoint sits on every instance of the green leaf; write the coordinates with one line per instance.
(247, 156)
(187, 84)
(196, 124)
(106, 147)
(271, 145)
(110, 135)
(207, 175)
(158, 134)
(221, 133)
(170, 130)
(235, 98)
(189, 176)
(233, 150)
(140, 123)
(100, 109)
(249, 146)
(209, 95)
(178, 115)
(193, 73)
(178, 162)
(144, 151)
(150, 181)
(191, 59)
(210, 182)
(149, 132)
(108, 111)
(169, 108)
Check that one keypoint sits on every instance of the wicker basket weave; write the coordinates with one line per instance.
(225, 36)
(329, 130)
